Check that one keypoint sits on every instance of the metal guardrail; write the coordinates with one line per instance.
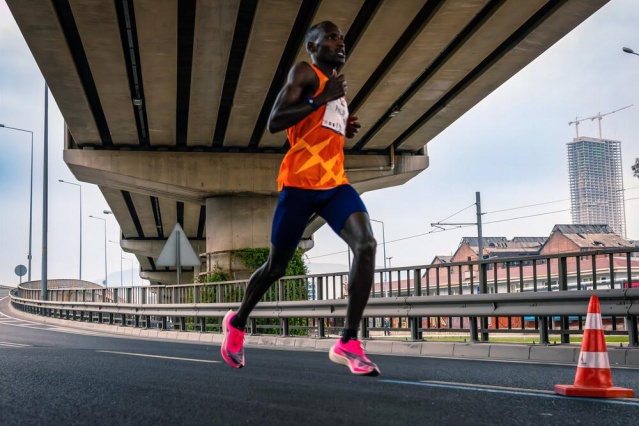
(412, 301)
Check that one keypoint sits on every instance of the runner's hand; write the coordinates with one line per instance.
(352, 126)
(335, 88)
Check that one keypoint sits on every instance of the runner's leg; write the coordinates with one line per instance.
(291, 215)
(357, 233)
(260, 282)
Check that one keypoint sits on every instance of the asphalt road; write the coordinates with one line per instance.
(53, 375)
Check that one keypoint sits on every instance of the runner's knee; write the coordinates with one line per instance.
(365, 248)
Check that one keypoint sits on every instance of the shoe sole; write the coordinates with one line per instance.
(339, 359)
(224, 331)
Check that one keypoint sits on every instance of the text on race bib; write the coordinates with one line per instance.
(335, 116)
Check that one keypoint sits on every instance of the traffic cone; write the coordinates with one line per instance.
(594, 378)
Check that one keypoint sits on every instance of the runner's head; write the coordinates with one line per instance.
(325, 44)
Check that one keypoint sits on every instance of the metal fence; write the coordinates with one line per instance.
(543, 295)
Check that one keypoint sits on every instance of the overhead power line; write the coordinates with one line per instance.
(438, 230)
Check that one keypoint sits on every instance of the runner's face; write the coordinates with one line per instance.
(330, 46)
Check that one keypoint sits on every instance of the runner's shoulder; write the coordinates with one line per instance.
(303, 74)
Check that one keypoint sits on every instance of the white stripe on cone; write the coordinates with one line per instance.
(593, 360)
(593, 322)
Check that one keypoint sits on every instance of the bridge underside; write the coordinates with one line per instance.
(166, 102)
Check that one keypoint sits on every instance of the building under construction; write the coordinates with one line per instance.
(596, 183)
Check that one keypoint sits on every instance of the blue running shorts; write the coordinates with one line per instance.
(296, 206)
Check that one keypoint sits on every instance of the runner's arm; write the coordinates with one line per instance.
(290, 106)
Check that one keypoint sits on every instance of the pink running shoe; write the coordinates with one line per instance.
(233, 344)
(352, 355)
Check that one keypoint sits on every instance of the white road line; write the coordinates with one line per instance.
(17, 345)
(208, 361)
(513, 391)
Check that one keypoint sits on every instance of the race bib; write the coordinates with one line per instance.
(335, 116)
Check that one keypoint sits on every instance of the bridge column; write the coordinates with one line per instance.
(237, 222)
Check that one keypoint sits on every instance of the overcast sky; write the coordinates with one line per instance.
(511, 147)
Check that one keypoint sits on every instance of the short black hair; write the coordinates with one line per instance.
(315, 31)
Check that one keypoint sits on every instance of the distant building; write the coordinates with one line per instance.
(528, 275)
(596, 183)
(576, 238)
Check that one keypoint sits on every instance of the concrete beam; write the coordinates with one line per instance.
(195, 176)
(152, 248)
(167, 277)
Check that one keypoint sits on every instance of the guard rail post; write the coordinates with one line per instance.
(483, 280)
(543, 330)
(474, 331)
(321, 330)
(416, 322)
(633, 339)
(562, 273)
(284, 322)
(365, 333)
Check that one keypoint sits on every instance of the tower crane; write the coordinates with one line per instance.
(599, 116)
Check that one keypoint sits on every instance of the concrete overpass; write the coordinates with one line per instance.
(166, 102)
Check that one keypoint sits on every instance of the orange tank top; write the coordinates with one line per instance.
(316, 157)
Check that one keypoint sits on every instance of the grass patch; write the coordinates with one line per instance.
(524, 339)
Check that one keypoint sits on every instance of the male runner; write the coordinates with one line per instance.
(312, 109)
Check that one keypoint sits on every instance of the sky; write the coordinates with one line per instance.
(511, 148)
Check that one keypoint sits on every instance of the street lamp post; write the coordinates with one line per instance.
(106, 275)
(629, 50)
(383, 245)
(80, 187)
(383, 239)
(635, 168)
(30, 195)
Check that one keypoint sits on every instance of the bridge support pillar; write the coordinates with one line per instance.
(233, 223)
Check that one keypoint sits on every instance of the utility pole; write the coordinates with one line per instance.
(483, 288)
(480, 243)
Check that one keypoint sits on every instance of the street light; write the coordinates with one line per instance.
(635, 168)
(79, 186)
(629, 50)
(30, 194)
(383, 239)
(106, 276)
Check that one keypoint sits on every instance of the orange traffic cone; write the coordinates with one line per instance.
(594, 378)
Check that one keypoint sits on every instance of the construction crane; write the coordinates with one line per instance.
(599, 116)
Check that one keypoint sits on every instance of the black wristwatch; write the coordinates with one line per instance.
(312, 103)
